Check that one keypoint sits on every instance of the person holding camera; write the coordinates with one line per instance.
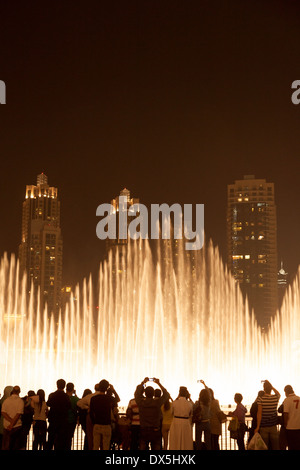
(267, 416)
(150, 413)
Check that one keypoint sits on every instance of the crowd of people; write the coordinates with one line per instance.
(153, 420)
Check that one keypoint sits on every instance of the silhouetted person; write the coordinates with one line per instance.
(59, 404)
(291, 415)
(240, 413)
(12, 410)
(181, 433)
(82, 415)
(27, 417)
(133, 414)
(253, 414)
(72, 414)
(40, 409)
(102, 407)
(150, 414)
(267, 416)
(203, 424)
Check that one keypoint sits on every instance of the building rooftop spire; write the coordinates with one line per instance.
(42, 179)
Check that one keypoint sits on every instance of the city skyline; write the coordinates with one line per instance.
(51, 216)
(281, 260)
(172, 103)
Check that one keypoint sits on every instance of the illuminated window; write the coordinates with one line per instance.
(237, 256)
(247, 256)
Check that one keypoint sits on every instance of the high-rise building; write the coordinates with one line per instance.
(282, 283)
(252, 243)
(41, 248)
(119, 245)
(121, 202)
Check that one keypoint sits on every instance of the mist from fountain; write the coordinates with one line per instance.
(176, 315)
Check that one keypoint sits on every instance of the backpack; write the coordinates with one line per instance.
(233, 427)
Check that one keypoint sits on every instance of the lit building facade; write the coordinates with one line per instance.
(41, 248)
(252, 243)
(118, 244)
(115, 203)
(282, 283)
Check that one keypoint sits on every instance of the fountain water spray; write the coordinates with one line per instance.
(172, 314)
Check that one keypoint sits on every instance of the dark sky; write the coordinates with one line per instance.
(171, 99)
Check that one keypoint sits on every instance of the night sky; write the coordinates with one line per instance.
(171, 99)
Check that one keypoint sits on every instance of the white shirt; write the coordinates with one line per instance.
(291, 405)
(12, 406)
(84, 402)
(40, 414)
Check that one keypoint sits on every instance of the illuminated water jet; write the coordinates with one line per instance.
(179, 316)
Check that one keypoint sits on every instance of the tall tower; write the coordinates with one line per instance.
(252, 243)
(41, 248)
(282, 283)
(127, 201)
(117, 248)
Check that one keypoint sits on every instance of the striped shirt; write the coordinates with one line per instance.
(134, 411)
(269, 409)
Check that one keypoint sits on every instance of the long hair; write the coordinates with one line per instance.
(41, 395)
(204, 397)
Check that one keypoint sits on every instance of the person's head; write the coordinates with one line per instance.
(267, 387)
(183, 392)
(41, 394)
(61, 383)
(204, 396)
(157, 392)
(288, 389)
(30, 393)
(260, 394)
(86, 392)
(70, 387)
(96, 387)
(7, 391)
(238, 398)
(16, 390)
(103, 386)
(149, 392)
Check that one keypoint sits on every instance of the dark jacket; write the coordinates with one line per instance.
(150, 408)
(59, 404)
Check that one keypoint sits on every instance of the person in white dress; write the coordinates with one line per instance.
(181, 431)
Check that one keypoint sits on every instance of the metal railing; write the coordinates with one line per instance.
(225, 441)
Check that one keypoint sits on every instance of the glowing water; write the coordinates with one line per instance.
(179, 321)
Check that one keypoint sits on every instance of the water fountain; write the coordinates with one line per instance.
(179, 316)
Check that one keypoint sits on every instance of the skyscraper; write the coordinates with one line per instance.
(282, 283)
(117, 247)
(41, 248)
(252, 243)
(126, 200)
